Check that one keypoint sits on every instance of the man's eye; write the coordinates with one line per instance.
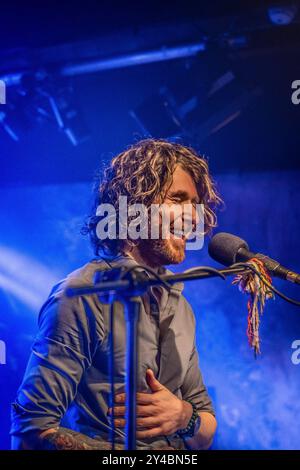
(177, 200)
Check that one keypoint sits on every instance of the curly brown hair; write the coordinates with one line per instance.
(143, 173)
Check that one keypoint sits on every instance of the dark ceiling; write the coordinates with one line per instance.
(232, 101)
(36, 23)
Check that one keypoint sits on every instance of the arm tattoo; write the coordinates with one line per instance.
(66, 439)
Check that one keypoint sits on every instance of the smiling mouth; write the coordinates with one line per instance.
(179, 235)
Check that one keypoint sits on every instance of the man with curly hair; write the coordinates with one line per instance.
(63, 401)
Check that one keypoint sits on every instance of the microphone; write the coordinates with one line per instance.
(228, 249)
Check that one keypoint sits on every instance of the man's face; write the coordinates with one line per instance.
(172, 249)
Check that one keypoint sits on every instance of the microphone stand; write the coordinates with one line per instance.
(127, 286)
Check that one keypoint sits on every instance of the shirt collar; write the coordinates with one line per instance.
(126, 260)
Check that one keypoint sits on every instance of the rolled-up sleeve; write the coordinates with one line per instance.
(193, 388)
(61, 352)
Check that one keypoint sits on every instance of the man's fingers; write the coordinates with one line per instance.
(145, 398)
(152, 381)
(145, 410)
(120, 423)
(141, 410)
(148, 422)
(151, 423)
(120, 398)
(142, 398)
(118, 411)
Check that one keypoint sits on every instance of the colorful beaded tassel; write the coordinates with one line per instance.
(259, 292)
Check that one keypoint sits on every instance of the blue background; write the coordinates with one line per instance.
(257, 401)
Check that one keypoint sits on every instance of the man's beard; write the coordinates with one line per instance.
(161, 252)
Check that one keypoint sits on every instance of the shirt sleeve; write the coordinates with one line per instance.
(62, 351)
(193, 388)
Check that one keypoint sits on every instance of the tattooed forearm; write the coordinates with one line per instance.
(66, 439)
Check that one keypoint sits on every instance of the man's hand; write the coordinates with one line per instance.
(159, 413)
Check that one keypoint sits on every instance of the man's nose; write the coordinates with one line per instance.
(195, 216)
(191, 216)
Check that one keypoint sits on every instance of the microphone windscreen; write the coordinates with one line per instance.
(223, 247)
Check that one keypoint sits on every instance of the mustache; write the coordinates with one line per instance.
(183, 229)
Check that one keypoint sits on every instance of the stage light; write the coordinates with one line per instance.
(282, 15)
(25, 278)
(138, 58)
(7, 127)
(38, 97)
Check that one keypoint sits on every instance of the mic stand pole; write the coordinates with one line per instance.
(132, 314)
